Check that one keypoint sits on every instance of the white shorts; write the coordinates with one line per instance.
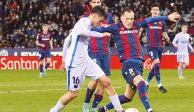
(183, 59)
(76, 76)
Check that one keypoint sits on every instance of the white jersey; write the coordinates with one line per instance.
(77, 53)
(181, 41)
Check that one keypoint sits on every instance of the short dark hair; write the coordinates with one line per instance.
(184, 24)
(155, 5)
(99, 10)
(126, 9)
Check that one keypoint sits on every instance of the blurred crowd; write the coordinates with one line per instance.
(21, 20)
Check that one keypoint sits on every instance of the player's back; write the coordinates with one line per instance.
(77, 52)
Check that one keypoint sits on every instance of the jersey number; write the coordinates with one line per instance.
(76, 80)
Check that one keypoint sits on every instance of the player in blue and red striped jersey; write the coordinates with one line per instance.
(99, 52)
(44, 42)
(155, 31)
(126, 36)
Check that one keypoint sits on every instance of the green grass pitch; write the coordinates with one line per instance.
(24, 91)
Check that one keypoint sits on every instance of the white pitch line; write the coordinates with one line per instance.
(42, 90)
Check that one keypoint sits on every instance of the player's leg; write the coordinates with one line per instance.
(91, 85)
(41, 63)
(98, 96)
(94, 71)
(151, 53)
(48, 62)
(105, 66)
(125, 98)
(75, 77)
(132, 72)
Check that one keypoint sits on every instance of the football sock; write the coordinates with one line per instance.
(116, 103)
(89, 94)
(143, 94)
(97, 100)
(122, 100)
(41, 68)
(58, 107)
(157, 73)
(47, 65)
(151, 75)
(180, 71)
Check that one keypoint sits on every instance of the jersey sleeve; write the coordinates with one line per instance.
(38, 38)
(111, 28)
(174, 42)
(163, 26)
(150, 20)
(66, 45)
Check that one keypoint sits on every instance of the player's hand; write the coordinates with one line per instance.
(174, 16)
(52, 48)
(167, 40)
(192, 51)
(106, 34)
(42, 45)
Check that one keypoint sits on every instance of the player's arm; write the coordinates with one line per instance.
(170, 17)
(66, 45)
(38, 43)
(51, 43)
(111, 28)
(174, 42)
(166, 37)
(190, 47)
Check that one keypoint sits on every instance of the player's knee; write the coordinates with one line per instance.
(73, 94)
(137, 79)
(106, 83)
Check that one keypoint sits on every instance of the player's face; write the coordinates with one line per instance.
(127, 19)
(97, 20)
(45, 28)
(155, 11)
(184, 28)
(94, 3)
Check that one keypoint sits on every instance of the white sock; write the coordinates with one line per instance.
(58, 107)
(159, 85)
(180, 71)
(116, 103)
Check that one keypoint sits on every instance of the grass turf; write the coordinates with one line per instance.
(24, 91)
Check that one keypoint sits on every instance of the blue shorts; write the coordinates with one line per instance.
(130, 69)
(43, 55)
(102, 60)
(155, 53)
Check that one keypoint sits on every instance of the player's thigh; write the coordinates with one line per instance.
(105, 60)
(180, 58)
(153, 54)
(131, 69)
(75, 77)
(186, 60)
(41, 56)
(48, 56)
(93, 70)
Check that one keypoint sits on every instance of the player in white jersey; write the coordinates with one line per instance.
(181, 42)
(78, 64)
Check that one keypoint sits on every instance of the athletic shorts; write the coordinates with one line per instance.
(183, 59)
(130, 69)
(44, 55)
(103, 61)
(76, 75)
(155, 53)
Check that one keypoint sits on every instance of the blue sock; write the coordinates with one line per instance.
(151, 75)
(97, 100)
(47, 65)
(41, 68)
(142, 89)
(89, 94)
(122, 100)
(157, 73)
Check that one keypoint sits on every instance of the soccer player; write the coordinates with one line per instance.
(78, 64)
(44, 41)
(154, 32)
(181, 42)
(126, 36)
(99, 52)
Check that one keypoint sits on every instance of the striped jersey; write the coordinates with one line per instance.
(154, 34)
(44, 39)
(127, 40)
